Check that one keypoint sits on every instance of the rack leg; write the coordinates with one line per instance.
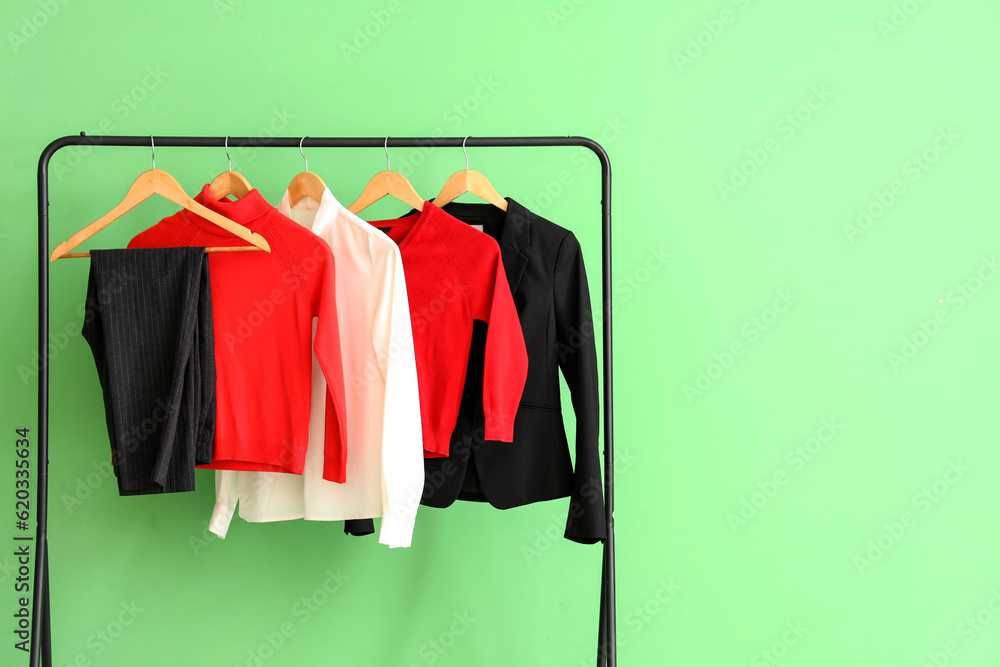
(602, 630)
(610, 604)
(46, 628)
(41, 636)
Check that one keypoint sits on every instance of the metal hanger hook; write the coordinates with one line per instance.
(466, 153)
(227, 155)
(152, 147)
(388, 164)
(303, 154)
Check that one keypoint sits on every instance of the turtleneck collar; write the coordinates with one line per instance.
(246, 210)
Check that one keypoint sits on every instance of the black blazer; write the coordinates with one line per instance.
(544, 267)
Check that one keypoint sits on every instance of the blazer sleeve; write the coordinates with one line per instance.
(402, 439)
(505, 367)
(359, 527)
(577, 355)
(327, 347)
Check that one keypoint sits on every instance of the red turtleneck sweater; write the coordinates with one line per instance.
(263, 309)
(454, 275)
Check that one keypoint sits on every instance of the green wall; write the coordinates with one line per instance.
(805, 308)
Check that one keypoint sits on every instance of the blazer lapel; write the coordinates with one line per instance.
(515, 238)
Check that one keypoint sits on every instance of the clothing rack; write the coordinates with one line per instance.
(41, 637)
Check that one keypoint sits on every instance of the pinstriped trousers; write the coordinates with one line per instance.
(148, 321)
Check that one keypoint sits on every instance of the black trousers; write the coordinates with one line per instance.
(148, 321)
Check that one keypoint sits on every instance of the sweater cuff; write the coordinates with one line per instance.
(499, 426)
(439, 453)
(334, 471)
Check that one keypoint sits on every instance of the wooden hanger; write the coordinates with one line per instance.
(305, 184)
(156, 181)
(229, 182)
(471, 181)
(384, 183)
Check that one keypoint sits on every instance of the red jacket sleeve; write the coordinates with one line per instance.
(327, 347)
(505, 367)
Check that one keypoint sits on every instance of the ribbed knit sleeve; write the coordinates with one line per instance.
(505, 367)
(327, 347)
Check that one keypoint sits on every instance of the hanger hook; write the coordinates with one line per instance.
(303, 154)
(227, 155)
(388, 164)
(466, 153)
(152, 147)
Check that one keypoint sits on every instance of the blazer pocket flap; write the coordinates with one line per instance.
(538, 406)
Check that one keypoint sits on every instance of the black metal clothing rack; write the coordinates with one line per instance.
(41, 637)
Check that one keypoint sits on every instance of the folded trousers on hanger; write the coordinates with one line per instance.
(148, 320)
